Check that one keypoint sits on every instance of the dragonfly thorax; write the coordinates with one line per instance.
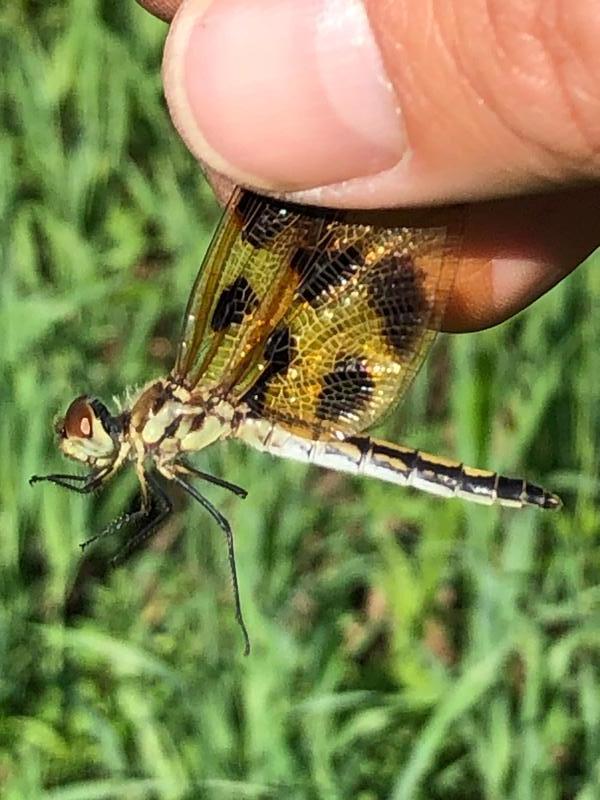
(166, 420)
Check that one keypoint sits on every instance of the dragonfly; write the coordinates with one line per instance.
(304, 327)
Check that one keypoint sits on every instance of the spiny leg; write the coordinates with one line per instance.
(226, 528)
(90, 482)
(116, 525)
(165, 508)
(76, 478)
(232, 487)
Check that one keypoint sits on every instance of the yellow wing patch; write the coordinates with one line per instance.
(243, 288)
(318, 319)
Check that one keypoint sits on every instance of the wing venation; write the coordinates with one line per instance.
(317, 319)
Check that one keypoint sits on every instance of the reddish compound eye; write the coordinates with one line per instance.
(78, 420)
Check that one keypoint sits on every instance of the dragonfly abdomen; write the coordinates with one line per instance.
(445, 477)
(362, 455)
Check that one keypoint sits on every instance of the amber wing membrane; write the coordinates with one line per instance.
(243, 288)
(318, 319)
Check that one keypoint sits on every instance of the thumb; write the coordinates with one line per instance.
(379, 103)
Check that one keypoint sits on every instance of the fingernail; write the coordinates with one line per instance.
(282, 94)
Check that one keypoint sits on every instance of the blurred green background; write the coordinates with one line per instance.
(403, 647)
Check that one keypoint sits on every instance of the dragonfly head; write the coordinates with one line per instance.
(88, 432)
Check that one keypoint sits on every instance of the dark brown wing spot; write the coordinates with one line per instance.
(321, 270)
(235, 302)
(346, 389)
(261, 220)
(397, 294)
(280, 350)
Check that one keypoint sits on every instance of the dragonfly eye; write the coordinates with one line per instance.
(85, 432)
(78, 421)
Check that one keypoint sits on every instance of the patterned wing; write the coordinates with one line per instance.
(243, 289)
(365, 311)
(317, 319)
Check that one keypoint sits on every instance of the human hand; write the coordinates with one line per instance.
(412, 104)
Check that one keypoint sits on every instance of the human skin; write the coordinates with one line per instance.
(386, 103)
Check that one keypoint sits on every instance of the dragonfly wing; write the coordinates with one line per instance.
(362, 319)
(317, 319)
(243, 288)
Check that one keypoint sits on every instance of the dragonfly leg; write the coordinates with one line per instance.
(89, 482)
(116, 525)
(205, 476)
(226, 528)
(164, 509)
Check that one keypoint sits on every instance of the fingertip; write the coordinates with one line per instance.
(377, 104)
(282, 95)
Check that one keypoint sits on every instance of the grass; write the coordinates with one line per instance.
(402, 647)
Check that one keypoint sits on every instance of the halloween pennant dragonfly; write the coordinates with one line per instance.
(303, 328)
